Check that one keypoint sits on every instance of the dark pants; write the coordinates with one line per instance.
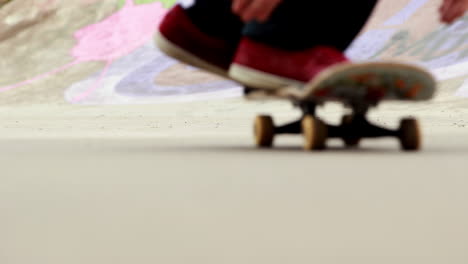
(294, 25)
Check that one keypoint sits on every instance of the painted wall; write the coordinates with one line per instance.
(133, 71)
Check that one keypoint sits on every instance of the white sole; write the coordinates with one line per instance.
(182, 55)
(258, 79)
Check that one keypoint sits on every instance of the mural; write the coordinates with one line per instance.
(410, 31)
(135, 72)
(142, 74)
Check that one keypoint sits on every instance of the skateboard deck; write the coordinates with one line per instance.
(359, 82)
(359, 86)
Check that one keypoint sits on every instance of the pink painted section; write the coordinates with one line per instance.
(119, 34)
(116, 36)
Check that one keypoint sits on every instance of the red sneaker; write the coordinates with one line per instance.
(260, 66)
(179, 38)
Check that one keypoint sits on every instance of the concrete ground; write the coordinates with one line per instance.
(183, 183)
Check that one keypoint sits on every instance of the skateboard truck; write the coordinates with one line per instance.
(358, 86)
(353, 128)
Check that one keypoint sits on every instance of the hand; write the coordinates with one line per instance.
(452, 10)
(259, 10)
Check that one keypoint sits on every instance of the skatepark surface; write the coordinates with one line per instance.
(113, 153)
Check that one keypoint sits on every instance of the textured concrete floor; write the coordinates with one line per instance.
(183, 183)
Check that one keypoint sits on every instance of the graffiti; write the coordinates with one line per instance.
(407, 12)
(116, 36)
(148, 76)
(166, 77)
(412, 36)
(436, 44)
(133, 66)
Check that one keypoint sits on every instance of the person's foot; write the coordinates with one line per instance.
(179, 38)
(258, 65)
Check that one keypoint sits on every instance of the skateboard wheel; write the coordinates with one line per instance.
(264, 130)
(315, 133)
(410, 137)
(349, 141)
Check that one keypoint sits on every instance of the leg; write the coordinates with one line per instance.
(215, 18)
(298, 25)
(326, 22)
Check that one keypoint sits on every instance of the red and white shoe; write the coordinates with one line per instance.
(258, 65)
(179, 38)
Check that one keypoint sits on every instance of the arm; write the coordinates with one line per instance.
(259, 10)
(452, 10)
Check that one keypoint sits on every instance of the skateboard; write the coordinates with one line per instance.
(359, 87)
